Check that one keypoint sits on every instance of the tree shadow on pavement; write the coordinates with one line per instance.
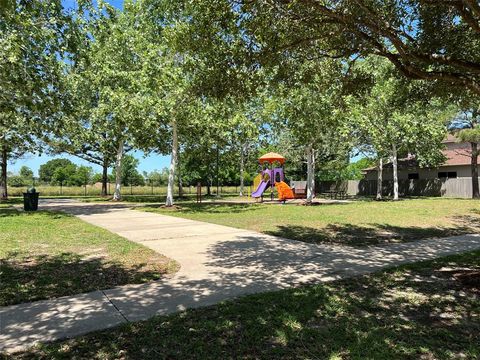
(373, 234)
(418, 311)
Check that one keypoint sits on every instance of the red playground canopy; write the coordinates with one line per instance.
(271, 157)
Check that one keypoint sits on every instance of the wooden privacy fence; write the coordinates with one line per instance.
(460, 187)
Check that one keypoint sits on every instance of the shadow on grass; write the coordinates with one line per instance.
(12, 200)
(6, 212)
(374, 234)
(413, 312)
(28, 278)
(208, 208)
(148, 198)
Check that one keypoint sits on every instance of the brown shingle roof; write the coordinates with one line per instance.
(455, 152)
(457, 156)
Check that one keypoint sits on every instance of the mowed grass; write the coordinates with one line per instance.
(356, 223)
(45, 255)
(428, 310)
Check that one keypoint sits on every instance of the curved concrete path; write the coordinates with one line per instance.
(217, 263)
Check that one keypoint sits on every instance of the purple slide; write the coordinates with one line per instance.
(260, 189)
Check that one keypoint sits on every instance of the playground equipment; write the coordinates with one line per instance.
(268, 178)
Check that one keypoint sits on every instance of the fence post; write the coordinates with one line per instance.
(199, 193)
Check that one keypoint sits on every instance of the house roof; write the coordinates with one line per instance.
(457, 156)
(456, 153)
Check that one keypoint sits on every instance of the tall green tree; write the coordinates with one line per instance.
(309, 106)
(430, 40)
(130, 173)
(26, 172)
(33, 39)
(47, 170)
(467, 128)
(104, 119)
(175, 110)
(395, 119)
(246, 130)
(83, 175)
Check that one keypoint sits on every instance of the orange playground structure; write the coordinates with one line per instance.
(270, 177)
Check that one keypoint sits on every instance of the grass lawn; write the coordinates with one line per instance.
(356, 223)
(45, 255)
(428, 310)
(151, 198)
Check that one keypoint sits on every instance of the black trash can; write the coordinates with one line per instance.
(30, 200)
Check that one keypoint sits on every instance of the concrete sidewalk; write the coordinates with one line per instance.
(217, 263)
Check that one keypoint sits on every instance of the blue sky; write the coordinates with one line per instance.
(34, 161)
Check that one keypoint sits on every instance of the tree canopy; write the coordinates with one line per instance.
(406, 32)
(213, 82)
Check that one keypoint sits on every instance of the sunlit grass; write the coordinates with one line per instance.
(45, 255)
(378, 316)
(354, 223)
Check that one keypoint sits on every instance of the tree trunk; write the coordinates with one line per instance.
(218, 170)
(117, 196)
(173, 161)
(379, 179)
(105, 178)
(209, 186)
(310, 174)
(3, 171)
(179, 177)
(474, 166)
(395, 172)
(242, 169)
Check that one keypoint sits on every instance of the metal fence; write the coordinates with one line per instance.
(460, 187)
(96, 190)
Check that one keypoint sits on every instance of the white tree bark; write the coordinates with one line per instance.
(117, 195)
(242, 170)
(310, 174)
(179, 176)
(379, 178)
(395, 172)
(173, 161)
